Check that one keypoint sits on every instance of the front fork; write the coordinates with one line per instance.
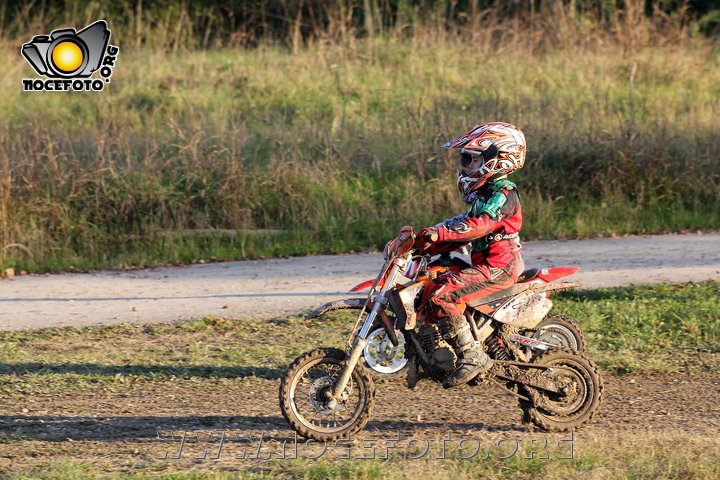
(360, 342)
(353, 358)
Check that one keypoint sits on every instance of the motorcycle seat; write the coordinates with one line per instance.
(500, 294)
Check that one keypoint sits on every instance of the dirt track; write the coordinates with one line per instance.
(631, 402)
(277, 287)
(147, 422)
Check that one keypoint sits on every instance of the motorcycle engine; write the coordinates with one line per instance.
(441, 354)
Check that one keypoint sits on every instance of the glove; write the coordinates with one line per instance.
(426, 237)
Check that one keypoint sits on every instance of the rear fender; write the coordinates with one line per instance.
(556, 273)
(546, 275)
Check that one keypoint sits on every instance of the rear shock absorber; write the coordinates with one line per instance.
(496, 348)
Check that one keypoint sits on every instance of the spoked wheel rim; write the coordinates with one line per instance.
(381, 355)
(573, 401)
(309, 393)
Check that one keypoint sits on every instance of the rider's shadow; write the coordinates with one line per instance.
(130, 428)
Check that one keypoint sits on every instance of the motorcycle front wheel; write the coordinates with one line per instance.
(304, 393)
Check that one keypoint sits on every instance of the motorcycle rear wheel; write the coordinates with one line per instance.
(562, 413)
(303, 392)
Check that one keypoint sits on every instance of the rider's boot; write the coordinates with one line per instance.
(474, 359)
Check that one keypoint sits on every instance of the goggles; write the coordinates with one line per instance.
(467, 157)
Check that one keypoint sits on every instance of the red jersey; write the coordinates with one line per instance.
(492, 224)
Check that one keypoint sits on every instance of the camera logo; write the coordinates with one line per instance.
(68, 59)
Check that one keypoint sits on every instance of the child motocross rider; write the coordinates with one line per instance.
(492, 223)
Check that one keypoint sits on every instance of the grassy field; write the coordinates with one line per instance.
(73, 401)
(241, 153)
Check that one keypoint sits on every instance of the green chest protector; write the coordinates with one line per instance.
(489, 204)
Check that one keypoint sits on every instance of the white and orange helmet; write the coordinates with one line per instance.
(501, 147)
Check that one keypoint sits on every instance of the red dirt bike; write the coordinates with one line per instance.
(328, 393)
(387, 361)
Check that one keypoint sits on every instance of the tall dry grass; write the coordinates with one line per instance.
(332, 139)
(172, 26)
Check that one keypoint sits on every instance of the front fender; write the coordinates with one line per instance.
(348, 303)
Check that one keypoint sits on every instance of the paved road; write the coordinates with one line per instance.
(276, 287)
